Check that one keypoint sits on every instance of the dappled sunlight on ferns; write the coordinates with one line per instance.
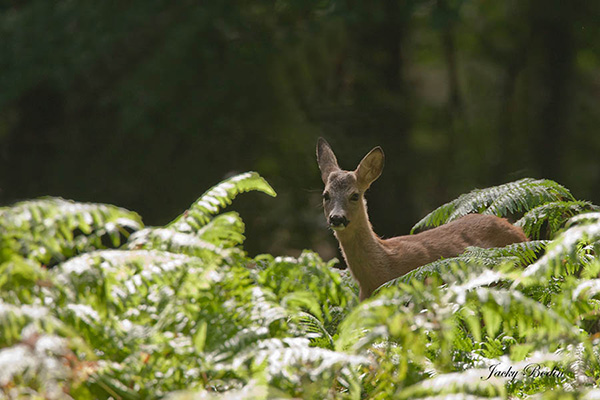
(181, 312)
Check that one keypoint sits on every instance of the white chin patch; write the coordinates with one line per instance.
(337, 228)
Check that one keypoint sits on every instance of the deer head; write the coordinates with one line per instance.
(343, 197)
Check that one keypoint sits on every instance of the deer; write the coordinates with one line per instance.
(374, 261)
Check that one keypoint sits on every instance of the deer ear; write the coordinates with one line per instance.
(370, 168)
(326, 159)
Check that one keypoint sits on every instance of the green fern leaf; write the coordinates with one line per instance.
(294, 361)
(14, 318)
(217, 197)
(502, 200)
(314, 330)
(198, 232)
(225, 230)
(554, 215)
(567, 253)
(525, 252)
(432, 269)
(517, 253)
(178, 242)
(308, 283)
(109, 280)
(37, 368)
(50, 229)
(21, 280)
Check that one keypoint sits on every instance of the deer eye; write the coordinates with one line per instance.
(354, 197)
(326, 196)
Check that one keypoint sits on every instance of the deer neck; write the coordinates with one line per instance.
(363, 251)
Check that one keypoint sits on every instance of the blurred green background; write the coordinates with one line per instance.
(146, 104)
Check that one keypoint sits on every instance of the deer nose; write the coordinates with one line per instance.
(338, 220)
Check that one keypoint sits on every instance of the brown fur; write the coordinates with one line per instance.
(374, 261)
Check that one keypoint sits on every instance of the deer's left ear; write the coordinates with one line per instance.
(370, 168)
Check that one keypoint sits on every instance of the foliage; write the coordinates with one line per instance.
(507, 199)
(181, 312)
(49, 229)
(198, 231)
(551, 216)
(518, 253)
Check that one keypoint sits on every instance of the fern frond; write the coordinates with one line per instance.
(437, 268)
(314, 330)
(14, 318)
(225, 230)
(281, 353)
(198, 232)
(553, 215)
(108, 380)
(587, 289)
(348, 281)
(584, 218)
(294, 361)
(522, 254)
(525, 252)
(22, 280)
(121, 262)
(567, 252)
(502, 200)
(218, 239)
(221, 195)
(107, 279)
(264, 308)
(51, 229)
(177, 242)
(39, 368)
(260, 314)
(504, 310)
(309, 284)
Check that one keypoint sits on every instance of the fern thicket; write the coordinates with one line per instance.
(181, 312)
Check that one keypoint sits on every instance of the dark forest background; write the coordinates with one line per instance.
(146, 104)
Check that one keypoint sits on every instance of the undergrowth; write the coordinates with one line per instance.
(94, 305)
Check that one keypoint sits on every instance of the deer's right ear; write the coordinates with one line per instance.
(326, 159)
